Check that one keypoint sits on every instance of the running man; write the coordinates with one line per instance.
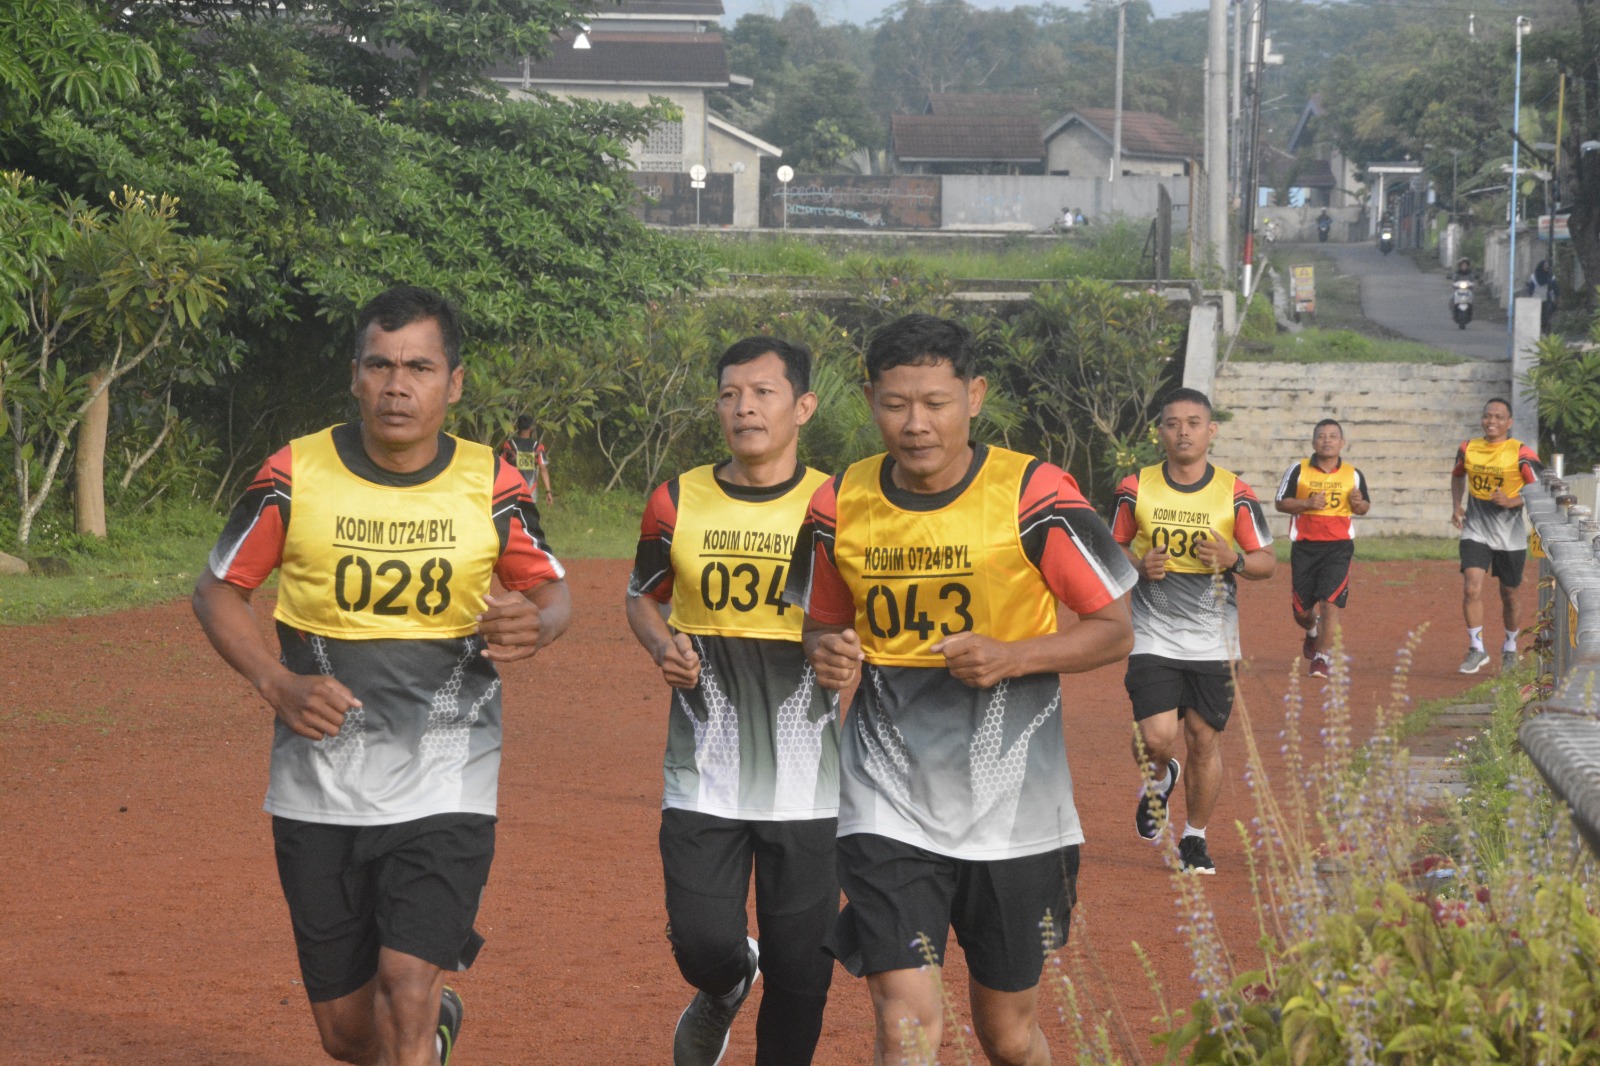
(1320, 494)
(386, 740)
(932, 574)
(752, 762)
(528, 454)
(1486, 489)
(1191, 529)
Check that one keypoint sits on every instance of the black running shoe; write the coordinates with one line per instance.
(451, 1013)
(701, 1037)
(1192, 853)
(1144, 818)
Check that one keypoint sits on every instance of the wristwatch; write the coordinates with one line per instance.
(1238, 564)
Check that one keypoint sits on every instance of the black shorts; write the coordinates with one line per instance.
(901, 896)
(1321, 570)
(412, 887)
(1504, 565)
(705, 857)
(1157, 684)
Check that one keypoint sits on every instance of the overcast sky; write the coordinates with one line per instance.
(863, 11)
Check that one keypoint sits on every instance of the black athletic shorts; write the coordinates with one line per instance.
(1506, 566)
(412, 887)
(705, 857)
(1321, 570)
(900, 896)
(1156, 684)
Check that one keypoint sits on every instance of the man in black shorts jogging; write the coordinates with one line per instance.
(1190, 529)
(386, 741)
(933, 574)
(1320, 494)
(752, 762)
(1486, 489)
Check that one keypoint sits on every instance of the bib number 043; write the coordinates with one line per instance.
(888, 615)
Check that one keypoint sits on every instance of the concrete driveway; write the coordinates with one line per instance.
(1414, 303)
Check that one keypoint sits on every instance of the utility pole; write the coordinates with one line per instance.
(1234, 162)
(1216, 161)
(1252, 171)
(1116, 125)
(1513, 283)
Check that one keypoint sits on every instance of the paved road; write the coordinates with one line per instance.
(1413, 303)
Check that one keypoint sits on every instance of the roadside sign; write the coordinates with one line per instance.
(1305, 290)
(1543, 229)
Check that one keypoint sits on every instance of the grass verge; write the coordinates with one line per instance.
(1388, 549)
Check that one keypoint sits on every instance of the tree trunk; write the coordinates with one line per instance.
(89, 462)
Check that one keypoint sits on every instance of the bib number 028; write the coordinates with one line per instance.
(888, 615)
(355, 580)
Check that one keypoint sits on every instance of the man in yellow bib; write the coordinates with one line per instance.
(752, 762)
(1191, 529)
(1486, 489)
(1320, 495)
(386, 741)
(932, 574)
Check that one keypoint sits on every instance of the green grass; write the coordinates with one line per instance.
(1342, 346)
(586, 524)
(1389, 549)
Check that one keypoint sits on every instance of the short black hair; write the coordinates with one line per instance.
(1186, 396)
(405, 304)
(524, 423)
(796, 359)
(919, 340)
(1501, 400)
(1334, 422)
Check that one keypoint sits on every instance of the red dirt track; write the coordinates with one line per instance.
(140, 916)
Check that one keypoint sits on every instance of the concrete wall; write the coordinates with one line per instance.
(1076, 152)
(1033, 202)
(722, 154)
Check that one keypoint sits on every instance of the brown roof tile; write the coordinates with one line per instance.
(966, 138)
(1143, 133)
(711, 9)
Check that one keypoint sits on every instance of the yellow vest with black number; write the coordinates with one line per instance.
(1178, 521)
(920, 576)
(730, 558)
(364, 562)
(1493, 466)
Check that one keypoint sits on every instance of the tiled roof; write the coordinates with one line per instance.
(984, 104)
(710, 9)
(966, 138)
(1143, 133)
(628, 58)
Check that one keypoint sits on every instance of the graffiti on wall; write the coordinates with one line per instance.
(667, 198)
(831, 201)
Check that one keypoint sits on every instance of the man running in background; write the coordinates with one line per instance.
(1320, 494)
(386, 741)
(1190, 529)
(940, 566)
(1486, 490)
(752, 762)
(527, 453)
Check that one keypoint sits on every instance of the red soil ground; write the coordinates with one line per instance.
(140, 917)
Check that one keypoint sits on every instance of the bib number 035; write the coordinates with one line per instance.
(888, 615)
(355, 580)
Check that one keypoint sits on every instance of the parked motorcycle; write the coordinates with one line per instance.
(1324, 225)
(1269, 230)
(1386, 240)
(1461, 301)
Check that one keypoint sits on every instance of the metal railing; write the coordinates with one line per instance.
(1562, 734)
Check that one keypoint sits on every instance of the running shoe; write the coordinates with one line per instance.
(1192, 854)
(1308, 649)
(1321, 665)
(1508, 659)
(1474, 661)
(451, 1013)
(1144, 817)
(701, 1038)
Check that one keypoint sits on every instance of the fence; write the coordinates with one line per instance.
(1562, 736)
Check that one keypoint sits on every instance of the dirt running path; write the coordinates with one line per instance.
(140, 919)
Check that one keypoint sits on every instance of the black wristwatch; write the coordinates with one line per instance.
(1238, 564)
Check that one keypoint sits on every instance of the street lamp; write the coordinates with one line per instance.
(1522, 27)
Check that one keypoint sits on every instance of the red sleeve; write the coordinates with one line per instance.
(813, 575)
(1460, 469)
(1250, 529)
(1528, 462)
(250, 545)
(1124, 527)
(1068, 543)
(652, 559)
(526, 562)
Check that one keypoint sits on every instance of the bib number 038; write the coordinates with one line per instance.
(1176, 541)
(888, 615)
(355, 580)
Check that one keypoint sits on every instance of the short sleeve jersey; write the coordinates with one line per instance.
(527, 456)
(925, 759)
(1334, 521)
(757, 738)
(381, 576)
(1505, 465)
(1191, 614)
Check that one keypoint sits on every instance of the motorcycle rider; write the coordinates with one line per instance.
(1324, 224)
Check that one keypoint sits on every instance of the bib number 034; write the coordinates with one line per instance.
(355, 580)
(740, 588)
(888, 615)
